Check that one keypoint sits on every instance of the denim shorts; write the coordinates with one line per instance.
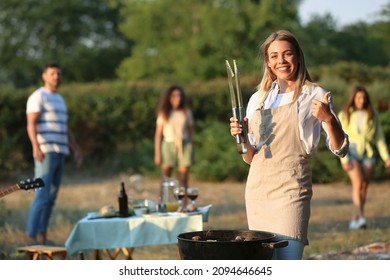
(364, 160)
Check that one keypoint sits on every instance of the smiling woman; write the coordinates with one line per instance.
(283, 61)
(284, 120)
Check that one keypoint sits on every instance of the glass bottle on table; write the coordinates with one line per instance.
(123, 202)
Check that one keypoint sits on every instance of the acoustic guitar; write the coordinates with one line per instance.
(29, 184)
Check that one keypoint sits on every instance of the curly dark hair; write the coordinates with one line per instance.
(164, 107)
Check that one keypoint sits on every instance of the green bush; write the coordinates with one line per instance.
(14, 151)
(216, 157)
(114, 124)
(326, 167)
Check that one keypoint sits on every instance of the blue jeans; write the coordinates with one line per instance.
(294, 251)
(50, 170)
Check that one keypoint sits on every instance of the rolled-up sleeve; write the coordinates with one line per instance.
(343, 151)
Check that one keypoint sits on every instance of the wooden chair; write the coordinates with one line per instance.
(36, 252)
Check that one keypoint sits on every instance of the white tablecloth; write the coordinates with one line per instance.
(112, 233)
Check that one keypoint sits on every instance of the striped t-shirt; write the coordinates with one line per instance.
(52, 128)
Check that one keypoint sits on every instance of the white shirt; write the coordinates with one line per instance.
(360, 119)
(52, 127)
(310, 129)
(176, 127)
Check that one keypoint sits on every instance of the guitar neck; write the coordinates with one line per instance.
(8, 190)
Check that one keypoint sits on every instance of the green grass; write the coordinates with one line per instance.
(329, 236)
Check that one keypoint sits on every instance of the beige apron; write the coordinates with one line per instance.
(279, 185)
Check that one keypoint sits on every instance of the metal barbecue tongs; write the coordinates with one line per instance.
(237, 107)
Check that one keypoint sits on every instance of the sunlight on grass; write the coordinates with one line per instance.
(328, 230)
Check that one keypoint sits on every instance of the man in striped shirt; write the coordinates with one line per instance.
(47, 128)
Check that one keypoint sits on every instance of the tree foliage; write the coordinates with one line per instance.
(78, 34)
(170, 40)
(186, 40)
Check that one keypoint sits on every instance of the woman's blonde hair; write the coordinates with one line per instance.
(302, 75)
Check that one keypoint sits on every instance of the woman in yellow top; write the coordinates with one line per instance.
(361, 123)
(173, 136)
